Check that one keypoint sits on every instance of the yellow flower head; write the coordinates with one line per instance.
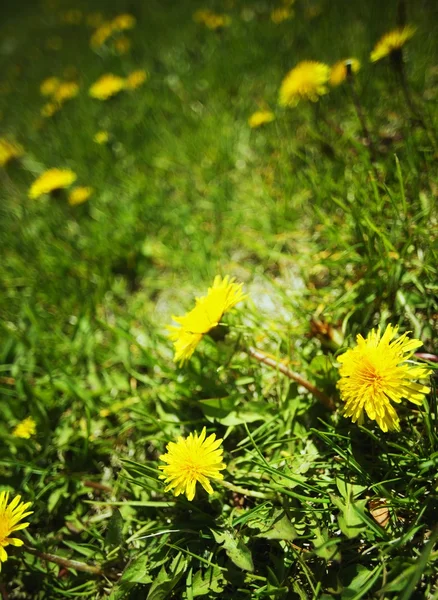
(9, 151)
(122, 44)
(123, 22)
(49, 109)
(211, 19)
(392, 42)
(208, 311)
(49, 86)
(307, 81)
(338, 73)
(25, 429)
(378, 371)
(260, 117)
(106, 86)
(136, 79)
(283, 13)
(102, 33)
(101, 137)
(79, 195)
(65, 91)
(190, 460)
(53, 179)
(10, 516)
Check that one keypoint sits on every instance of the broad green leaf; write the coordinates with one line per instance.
(235, 549)
(137, 571)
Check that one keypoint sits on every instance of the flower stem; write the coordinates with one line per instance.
(267, 360)
(245, 491)
(360, 114)
(65, 562)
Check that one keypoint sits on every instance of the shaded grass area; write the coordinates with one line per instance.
(328, 244)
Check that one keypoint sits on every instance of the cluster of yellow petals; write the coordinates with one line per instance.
(59, 92)
(221, 297)
(136, 79)
(211, 19)
(339, 70)
(377, 372)
(106, 86)
(260, 117)
(101, 137)
(11, 513)
(108, 28)
(307, 81)
(392, 42)
(25, 429)
(192, 460)
(9, 151)
(280, 14)
(79, 195)
(51, 180)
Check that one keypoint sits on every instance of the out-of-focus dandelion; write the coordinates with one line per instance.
(49, 86)
(282, 13)
(11, 513)
(122, 44)
(102, 33)
(107, 86)
(123, 22)
(209, 309)
(392, 43)
(136, 79)
(49, 109)
(307, 81)
(51, 180)
(9, 151)
(379, 371)
(192, 460)
(101, 137)
(79, 195)
(211, 19)
(260, 117)
(65, 91)
(339, 70)
(25, 429)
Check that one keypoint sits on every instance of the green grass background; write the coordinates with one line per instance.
(185, 190)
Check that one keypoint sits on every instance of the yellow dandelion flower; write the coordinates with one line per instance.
(378, 371)
(123, 22)
(215, 21)
(283, 13)
(65, 91)
(102, 33)
(208, 311)
(79, 195)
(11, 513)
(392, 42)
(136, 79)
(49, 86)
(25, 429)
(338, 73)
(122, 45)
(9, 151)
(107, 86)
(191, 460)
(101, 137)
(53, 179)
(260, 117)
(49, 109)
(307, 81)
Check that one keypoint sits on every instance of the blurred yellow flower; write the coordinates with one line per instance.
(208, 311)
(123, 22)
(136, 79)
(11, 513)
(378, 371)
(79, 195)
(392, 42)
(9, 151)
(260, 117)
(307, 81)
(49, 86)
(53, 179)
(106, 86)
(338, 73)
(25, 429)
(122, 45)
(211, 19)
(283, 13)
(65, 91)
(192, 460)
(101, 137)
(102, 33)
(49, 109)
